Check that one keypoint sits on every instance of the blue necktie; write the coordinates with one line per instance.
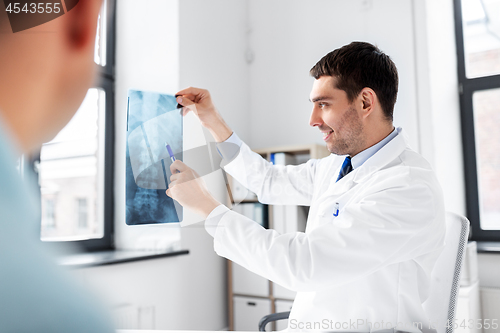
(346, 168)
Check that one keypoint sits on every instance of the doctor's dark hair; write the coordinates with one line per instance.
(359, 65)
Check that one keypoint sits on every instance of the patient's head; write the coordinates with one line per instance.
(45, 72)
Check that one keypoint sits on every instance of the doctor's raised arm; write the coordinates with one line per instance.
(251, 170)
(376, 221)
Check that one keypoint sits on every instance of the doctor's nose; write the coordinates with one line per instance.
(315, 119)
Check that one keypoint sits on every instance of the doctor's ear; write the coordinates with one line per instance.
(368, 98)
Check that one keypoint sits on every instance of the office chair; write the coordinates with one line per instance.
(440, 307)
(445, 277)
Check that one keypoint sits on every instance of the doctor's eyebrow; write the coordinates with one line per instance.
(319, 98)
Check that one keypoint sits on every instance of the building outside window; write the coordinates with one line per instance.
(71, 165)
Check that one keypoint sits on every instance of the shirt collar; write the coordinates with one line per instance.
(361, 157)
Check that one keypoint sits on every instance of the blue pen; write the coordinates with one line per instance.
(172, 157)
(336, 209)
(171, 153)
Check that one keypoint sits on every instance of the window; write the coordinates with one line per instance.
(481, 37)
(81, 214)
(72, 166)
(48, 215)
(477, 24)
(75, 169)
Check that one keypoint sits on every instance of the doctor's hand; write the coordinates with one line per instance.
(199, 101)
(187, 188)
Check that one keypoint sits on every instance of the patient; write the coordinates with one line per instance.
(44, 75)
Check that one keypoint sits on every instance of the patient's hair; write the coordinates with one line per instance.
(360, 65)
(4, 21)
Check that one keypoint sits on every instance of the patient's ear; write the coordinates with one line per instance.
(81, 24)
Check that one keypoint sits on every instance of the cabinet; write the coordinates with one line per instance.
(250, 294)
(248, 311)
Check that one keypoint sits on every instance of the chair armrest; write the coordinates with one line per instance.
(272, 317)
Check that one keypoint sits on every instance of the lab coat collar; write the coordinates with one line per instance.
(386, 154)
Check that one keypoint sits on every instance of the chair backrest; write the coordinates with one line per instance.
(445, 283)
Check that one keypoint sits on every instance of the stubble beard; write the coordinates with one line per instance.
(352, 135)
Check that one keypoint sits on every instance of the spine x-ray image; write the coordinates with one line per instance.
(152, 121)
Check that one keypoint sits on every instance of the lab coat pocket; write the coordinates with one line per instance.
(329, 208)
(333, 212)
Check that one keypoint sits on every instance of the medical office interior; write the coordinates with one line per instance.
(254, 57)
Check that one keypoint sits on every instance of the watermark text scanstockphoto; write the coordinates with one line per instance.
(358, 324)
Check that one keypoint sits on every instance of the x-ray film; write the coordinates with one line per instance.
(152, 121)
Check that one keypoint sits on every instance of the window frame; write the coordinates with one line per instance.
(105, 81)
(467, 88)
(108, 70)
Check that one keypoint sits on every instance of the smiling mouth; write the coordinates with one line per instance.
(326, 135)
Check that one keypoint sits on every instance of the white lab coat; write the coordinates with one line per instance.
(369, 265)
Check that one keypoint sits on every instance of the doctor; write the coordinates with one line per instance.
(376, 219)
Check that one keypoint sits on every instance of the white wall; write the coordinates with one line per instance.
(213, 45)
(440, 129)
(289, 37)
(489, 270)
(185, 292)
